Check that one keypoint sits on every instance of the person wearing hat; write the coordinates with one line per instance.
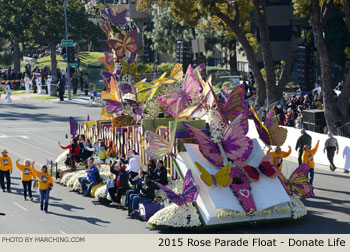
(304, 139)
(120, 183)
(5, 170)
(27, 176)
(278, 156)
(331, 145)
(45, 185)
(308, 157)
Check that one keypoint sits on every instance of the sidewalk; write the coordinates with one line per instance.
(81, 98)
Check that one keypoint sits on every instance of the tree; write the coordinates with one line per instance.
(236, 15)
(14, 24)
(317, 12)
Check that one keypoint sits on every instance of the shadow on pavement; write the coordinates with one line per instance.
(66, 207)
(90, 220)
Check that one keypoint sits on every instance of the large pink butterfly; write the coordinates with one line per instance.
(176, 102)
(124, 42)
(235, 143)
(114, 17)
(266, 167)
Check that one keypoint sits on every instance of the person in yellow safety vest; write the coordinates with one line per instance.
(5, 170)
(278, 156)
(27, 176)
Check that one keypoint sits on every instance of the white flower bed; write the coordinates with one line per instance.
(61, 166)
(176, 216)
(66, 177)
(175, 185)
(101, 192)
(71, 182)
(297, 208)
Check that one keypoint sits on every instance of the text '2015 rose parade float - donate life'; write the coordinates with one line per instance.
(217, 174)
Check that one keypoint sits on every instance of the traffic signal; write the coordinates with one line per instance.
(184, 54)
(70, 54)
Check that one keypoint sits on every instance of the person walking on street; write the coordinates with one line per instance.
(308, 157)
(278, 156)
(27, 176)
(304, 139)
(5, 170)
(27, 83)
(61, 88)
(331, 145)
(8, 92)
(45, 186)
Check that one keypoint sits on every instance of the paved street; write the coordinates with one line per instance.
(32, 130)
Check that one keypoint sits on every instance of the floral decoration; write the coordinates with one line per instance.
(297, 208)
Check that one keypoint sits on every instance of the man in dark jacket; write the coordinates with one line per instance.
(121, 183)
(135, 182)
(61, 87)
(160, 174)
(304, 139)
(146, 195)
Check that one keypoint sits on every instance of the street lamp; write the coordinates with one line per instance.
(68, 68)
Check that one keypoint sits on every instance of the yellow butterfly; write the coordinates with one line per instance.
(105, 115)
(175, 76)
(221, 178)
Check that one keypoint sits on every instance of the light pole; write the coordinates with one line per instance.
(68, 68)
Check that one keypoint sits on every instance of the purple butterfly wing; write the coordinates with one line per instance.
(117, 74)
(106, 75)
(171, 195)
(73, 126)
(262, 129)
(234, 105)
(236, 144)
(125, 88)
(190, 191)
(207, 147)
(115, 18)
(132, 58)
(114, 106)
(109, 58)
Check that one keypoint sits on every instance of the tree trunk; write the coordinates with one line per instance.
(234, 26)
(325, 64)
(16, 57)
(285, 73)
(233, 58)
(259, 10)
(344, 101)
(52, 46)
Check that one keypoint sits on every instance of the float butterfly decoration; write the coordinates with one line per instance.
(108, 75)
(188, 194)
(270, 132)
(124, 42)
(116, 18)
(266, 167)
(176, 102)
(298, 182)
(235, 145)
(221, 178)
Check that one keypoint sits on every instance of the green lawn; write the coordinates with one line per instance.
(85, 59)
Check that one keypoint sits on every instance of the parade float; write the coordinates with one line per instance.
(218, 175)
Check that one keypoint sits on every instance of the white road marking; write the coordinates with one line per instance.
(23, 208)
(6, 136)
(39, 136)
(62, 232)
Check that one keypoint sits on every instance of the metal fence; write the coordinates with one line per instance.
(344, 130)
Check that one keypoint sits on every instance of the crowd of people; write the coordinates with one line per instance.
(137, 184)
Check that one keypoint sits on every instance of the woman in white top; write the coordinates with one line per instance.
(133, 162)
(27, 83)
(8, 92)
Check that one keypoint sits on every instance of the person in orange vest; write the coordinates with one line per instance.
(5, 170)
(45, 185)
(278, 156)
(27, 176)
(308, 157)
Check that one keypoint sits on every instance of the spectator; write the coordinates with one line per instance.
(93, 178)
(27, 83)
(135, 183)
(101, 153)
(87, 152)
(298, 122)
(134, 163)
(304, 139)
(308, 157)
(331, 145)
(75, 84)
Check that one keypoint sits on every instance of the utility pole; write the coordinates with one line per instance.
(68, 68)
